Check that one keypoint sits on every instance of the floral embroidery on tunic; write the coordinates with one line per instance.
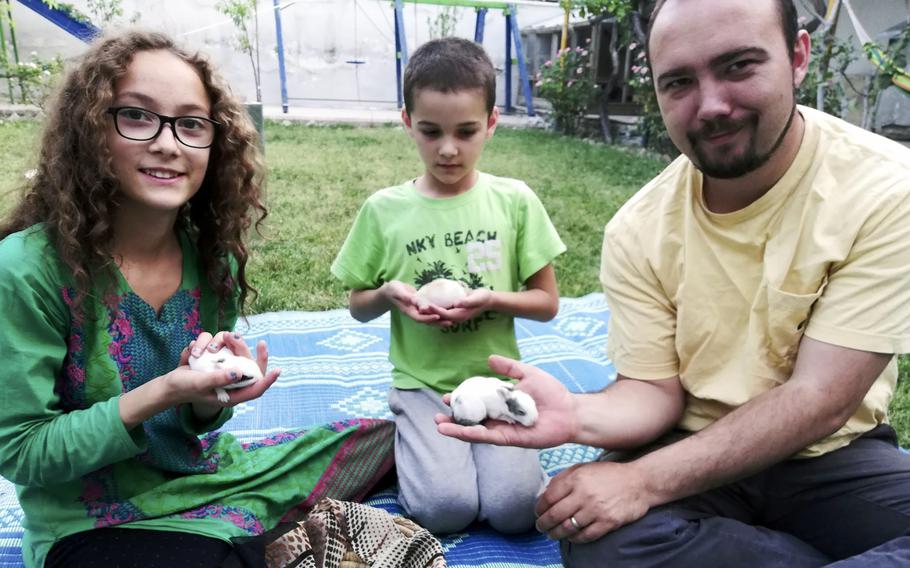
(237, 516)
(72, 387)
(97, 496)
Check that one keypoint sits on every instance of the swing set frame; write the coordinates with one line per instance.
(85, 31)
(513, 34)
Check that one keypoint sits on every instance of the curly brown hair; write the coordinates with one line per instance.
(74, 192)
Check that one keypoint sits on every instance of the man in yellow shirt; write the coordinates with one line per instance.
(760, 290)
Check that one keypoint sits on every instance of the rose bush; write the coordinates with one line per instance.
(567, 84)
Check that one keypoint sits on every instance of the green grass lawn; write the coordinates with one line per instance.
(319, 177)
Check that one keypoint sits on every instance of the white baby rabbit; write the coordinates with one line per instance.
(224, 358)
(441, 292)
(479, 398)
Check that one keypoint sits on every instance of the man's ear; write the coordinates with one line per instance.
(801, 53)
(492, 121)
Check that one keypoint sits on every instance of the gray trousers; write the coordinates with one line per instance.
(444, 484)
(847, 509)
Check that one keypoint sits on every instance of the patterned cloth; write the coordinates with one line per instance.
(334, 368)
(341, 534)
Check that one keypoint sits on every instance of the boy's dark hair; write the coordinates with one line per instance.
(449, 65)
(789, 24)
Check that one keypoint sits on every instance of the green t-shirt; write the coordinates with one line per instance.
(495, 235)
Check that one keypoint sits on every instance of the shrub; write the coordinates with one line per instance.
(829, 78)
(566, 83)
(652, 126)
(31, 82)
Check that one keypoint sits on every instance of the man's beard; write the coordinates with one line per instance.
(738, 166)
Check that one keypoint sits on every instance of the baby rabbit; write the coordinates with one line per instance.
(441, 292)
(479, 398)
(224, 358)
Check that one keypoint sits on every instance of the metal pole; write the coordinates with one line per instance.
(282, 74)
(85, 31)
(564, 40)
(399, 32)
(399, 18)
(4, 59)
(522, 68)
(478, 27)
(12, 37)
(508, 65)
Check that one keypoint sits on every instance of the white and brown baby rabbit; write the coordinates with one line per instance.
(441, 292)
(479, 398)
(224, 358)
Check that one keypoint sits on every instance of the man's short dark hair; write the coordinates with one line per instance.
(789, 24)
(449, 65)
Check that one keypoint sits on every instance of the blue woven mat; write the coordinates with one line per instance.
(334, 368)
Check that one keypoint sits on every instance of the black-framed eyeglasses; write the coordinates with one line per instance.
(135, 123)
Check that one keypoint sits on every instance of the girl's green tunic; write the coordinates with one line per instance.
(75, 465)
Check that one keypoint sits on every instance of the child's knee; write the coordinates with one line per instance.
(444, 512)
(512, 523)
(510, 514)
(509, 507)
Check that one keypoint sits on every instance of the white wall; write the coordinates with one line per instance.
(320, 37)
(875, 16)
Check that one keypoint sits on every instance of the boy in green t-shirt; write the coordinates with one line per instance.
(452, 222)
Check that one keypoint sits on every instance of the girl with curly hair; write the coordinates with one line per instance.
(125, 255)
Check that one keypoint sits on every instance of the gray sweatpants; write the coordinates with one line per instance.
(846, 509)
(444, 484)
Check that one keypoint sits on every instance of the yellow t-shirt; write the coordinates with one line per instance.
(722, 300)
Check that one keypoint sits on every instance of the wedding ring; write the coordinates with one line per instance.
(575, 523)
